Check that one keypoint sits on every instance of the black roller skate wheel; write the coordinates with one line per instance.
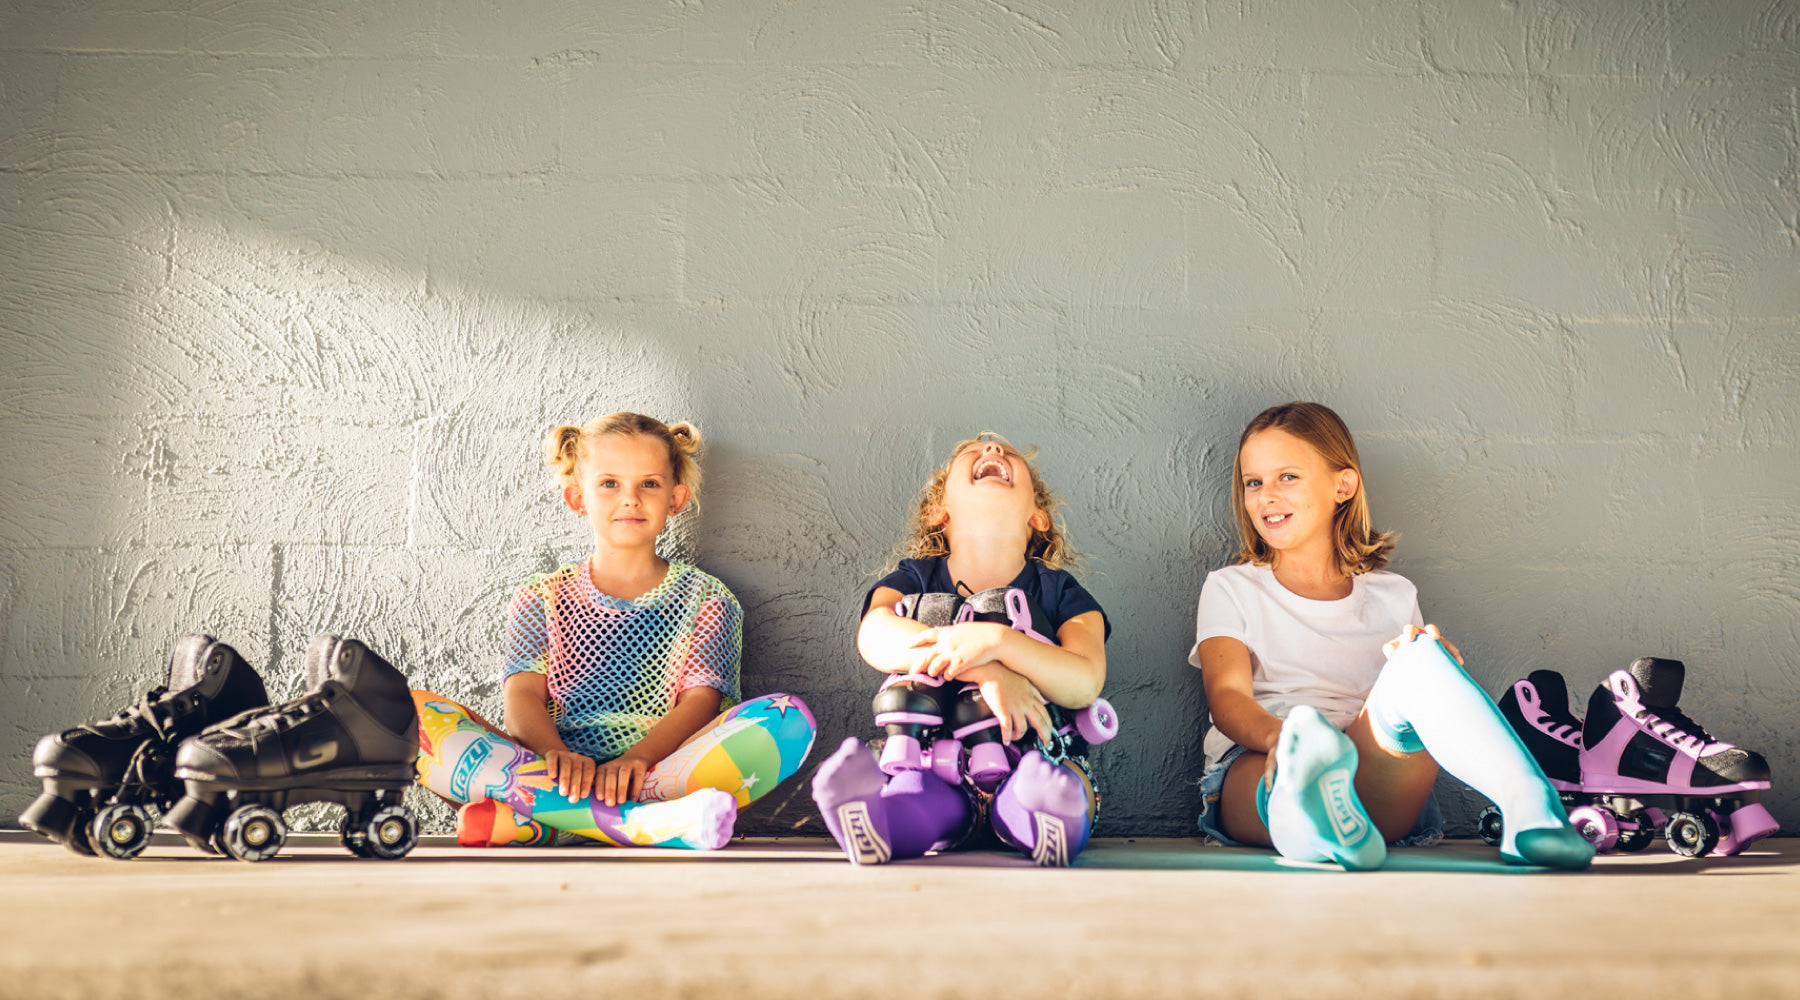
(390, 832)
(1491, 826)
(352, 836)
(1692, 835)
(1636, 831)
(120, 832)
(81, 834)
(253, 833)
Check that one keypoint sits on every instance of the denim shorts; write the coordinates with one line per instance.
(1427, 831)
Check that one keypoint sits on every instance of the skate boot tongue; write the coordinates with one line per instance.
(187, 662)
(1658, 680)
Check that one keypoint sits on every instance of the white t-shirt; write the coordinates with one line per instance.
(1304, 652)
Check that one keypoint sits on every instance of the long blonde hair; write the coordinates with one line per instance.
(1360, 548)
(1050, 546)
(565, 445)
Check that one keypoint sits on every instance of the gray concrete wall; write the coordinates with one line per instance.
(289, 292)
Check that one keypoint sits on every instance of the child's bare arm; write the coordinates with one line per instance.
(1070, 674)
(1225, 670)
(528, 722)
(885, 639)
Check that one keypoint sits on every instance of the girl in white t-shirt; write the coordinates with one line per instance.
(1332, 703)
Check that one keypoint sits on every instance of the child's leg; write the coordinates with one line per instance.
(1045, 810)
(875, 818)
(746, 751)
(510, 796)
(1424, 701)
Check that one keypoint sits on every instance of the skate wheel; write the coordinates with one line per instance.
(253, 833)
(1098, 722)
(120, 832)
(390, 832)
(351, 835)
(1597, 826)
(1635, 832)
(1691, 835)
(1491, 826)
(81, 834)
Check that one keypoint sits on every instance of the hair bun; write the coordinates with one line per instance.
(687, 437)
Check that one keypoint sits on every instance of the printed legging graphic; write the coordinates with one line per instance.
(746, 752)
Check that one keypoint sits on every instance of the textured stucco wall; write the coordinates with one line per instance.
(289, 292)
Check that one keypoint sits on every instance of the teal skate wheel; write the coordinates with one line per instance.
(253, 833)
(120, 832)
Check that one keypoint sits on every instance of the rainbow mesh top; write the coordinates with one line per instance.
(614, 666)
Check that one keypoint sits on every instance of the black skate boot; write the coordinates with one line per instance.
(1643, 755)
(105, 783)
(1537, 708)
(352, 739)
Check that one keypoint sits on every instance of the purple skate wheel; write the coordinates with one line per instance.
(988, 765)
(1098, 722)
(900, 754)
(1597, 826)
(946, 760)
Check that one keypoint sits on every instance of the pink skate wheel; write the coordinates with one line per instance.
(988, 765)
(1098, 722)
(1597, 826)
(900, 754)
(946, 760)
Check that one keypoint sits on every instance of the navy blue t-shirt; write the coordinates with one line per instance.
(1054, 591)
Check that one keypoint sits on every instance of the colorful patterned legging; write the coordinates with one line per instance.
(745, 752)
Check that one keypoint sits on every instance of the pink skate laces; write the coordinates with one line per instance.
(1540, 720)
(1681, 732)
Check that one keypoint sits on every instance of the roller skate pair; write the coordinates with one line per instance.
(946, 727)
(1637, 765)
(207, 755)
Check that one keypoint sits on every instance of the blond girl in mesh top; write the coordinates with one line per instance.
(615, 670)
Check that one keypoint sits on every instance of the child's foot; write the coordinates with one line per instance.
(488, 823)
(1056, 803)
(1556, 846)
(701, 820)
(847, 790)
(1314, 812)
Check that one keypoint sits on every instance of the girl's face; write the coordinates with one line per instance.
(988, 484)
(1290, 493)
(625, 487)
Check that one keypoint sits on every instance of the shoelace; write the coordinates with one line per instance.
(1540, 720)
(1678, 730)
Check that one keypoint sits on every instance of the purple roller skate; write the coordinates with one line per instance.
(910, 708)
(1642, 756)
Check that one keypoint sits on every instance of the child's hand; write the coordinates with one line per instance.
(572, 772)
(1393, 645)
(620, 779)
(950, 651)
(1018, 704)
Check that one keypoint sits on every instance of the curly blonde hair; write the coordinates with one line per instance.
(1360, 548)
(1050, 547)
(565, 445)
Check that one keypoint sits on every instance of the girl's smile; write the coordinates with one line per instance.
(1290, 491)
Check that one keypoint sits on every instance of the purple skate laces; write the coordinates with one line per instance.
(1532, 707)
(1677, 730)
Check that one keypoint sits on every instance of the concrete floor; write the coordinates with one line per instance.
(1151, 918)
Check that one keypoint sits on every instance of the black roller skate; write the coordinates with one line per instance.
(106, 783)
(1644, 762)
(351, 739)
(1538, 710)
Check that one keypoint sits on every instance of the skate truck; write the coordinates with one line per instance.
(107, 783)
(1637, 765)
(946, 727)
(351, 739)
